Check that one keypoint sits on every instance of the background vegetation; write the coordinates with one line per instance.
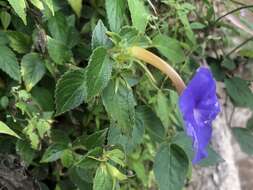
(78, 112)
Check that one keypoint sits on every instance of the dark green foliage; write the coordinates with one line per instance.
(82, 113)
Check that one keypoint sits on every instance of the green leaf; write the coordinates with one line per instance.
(19, 6)
(151, 122)
(63, 30)
(58, 51)
(31, 132)
(19, 42)
(133, 37)
(38, 4)
(25, 151)
(70, 91)
(58, 28)
(53, 153)
(8, 63)
(239, 91)
(212, 159)
(139, 14)
(32, 69)
(99, 37)
(44, 98)
(43, 127)
(171, 167)
(115, 13)
(228, 64)
(117, 156)
(188, 30)
(102, 180)
(50, 5)
(4, 129)
(84, 168)
(115, 173)
(162, 108)
(99, 71)
(91, 141)
(250, 124)
(128, 141)
(77, 179)
(245, 139)
(170, 48)
(119, 104)
(246, 52)
(197, 26)
(67, 158)
(76, 5)
(5, 19)
(4, 102)
(60, 136)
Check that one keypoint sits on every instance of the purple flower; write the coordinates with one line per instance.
(199, 106)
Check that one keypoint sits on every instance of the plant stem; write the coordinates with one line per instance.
(233, 11)
(149, 57)
(239, 46)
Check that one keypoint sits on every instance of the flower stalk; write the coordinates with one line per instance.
(163, 66)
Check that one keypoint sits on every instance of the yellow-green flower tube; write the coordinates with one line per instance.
(149, 57)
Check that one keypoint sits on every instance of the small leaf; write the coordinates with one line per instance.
(58, 51)
(99, 37)
(115, 13)
(102, 180)
(139, 14)
(8, 63)
(117, 156)
(5, 19)
(31, 132)
(19, 6)
(197, 26)
(43, 127)
(133, 37)
(76, 5)
(98, 71)
(115, 173)
(53, 153)
(170, 48)
(239, 91)
(4, 129)
(245, 139)
(70, 91)
(171, 167)
(32, 69)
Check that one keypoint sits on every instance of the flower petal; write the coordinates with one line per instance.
(199, 106)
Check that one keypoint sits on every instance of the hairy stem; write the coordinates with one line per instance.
(149, 57)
